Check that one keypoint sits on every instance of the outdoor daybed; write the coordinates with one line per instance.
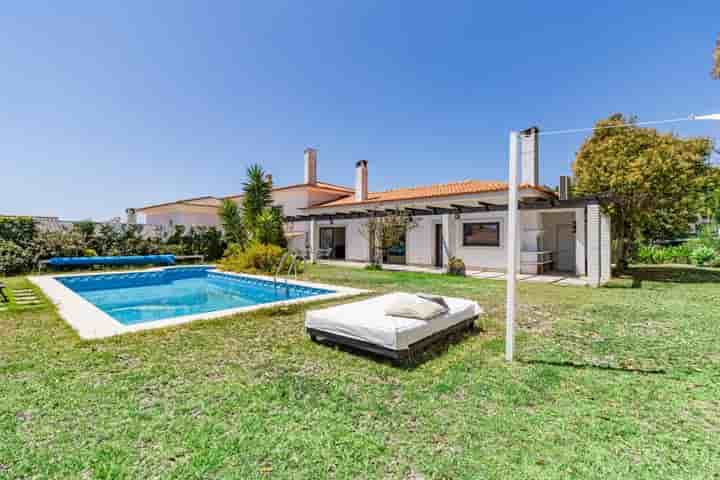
(365, 325)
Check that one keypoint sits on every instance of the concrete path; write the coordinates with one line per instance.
(554, 279)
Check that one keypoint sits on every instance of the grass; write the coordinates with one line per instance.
(612, 382)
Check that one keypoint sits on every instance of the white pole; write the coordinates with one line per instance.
(511, 240)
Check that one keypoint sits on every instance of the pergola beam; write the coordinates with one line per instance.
(549, 204)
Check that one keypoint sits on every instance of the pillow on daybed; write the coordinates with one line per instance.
(412, 306)
(439, 299)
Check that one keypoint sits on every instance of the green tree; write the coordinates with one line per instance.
(232, 222)
(716, 62)
(269, 228)
(257, 196)
(656, 179)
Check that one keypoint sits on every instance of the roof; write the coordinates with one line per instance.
(206, 201)
(318, 185)
(214, 202)
(429, 191)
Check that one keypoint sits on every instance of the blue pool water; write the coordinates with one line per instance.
(140, 297)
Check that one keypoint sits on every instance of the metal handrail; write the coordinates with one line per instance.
(277, 270)
(293, 267)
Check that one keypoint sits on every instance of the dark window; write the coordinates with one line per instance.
(481, 234)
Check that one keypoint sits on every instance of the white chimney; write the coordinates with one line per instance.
(131, 216)
(530, 154)
(310, 166)
(361, 181)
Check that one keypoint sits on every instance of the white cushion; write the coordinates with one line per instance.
(366, 321)
(412, 306)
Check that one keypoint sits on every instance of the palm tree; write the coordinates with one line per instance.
(269, 228)
(232, 223)
(257, 195)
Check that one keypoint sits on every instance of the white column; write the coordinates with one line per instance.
(593, 244)
(448, 232)
(580, 242)
(512, 248)
(605, 249)
(313, 240)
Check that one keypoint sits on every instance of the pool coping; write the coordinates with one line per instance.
(91, 323)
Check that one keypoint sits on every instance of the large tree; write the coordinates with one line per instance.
(657, 180)
(716, 62)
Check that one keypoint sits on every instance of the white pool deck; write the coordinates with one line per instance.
(92, 323)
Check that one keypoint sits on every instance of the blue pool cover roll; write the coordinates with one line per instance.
(120, 260)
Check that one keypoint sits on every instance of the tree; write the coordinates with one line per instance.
(269, 228)
(716, 62)
(656, 179)
(257, 195)
(382, 233)
(232, 222)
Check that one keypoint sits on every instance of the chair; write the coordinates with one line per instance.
(2, 293)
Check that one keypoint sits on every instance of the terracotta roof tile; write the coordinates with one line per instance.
(428, 191)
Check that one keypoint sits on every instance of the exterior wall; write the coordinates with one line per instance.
(179, 217)
(605, 249)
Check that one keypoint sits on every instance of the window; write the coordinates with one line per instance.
(481, 234)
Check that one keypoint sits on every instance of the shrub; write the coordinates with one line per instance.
(373, 267)
(256, 258)
(702, 255)
(655, 254)
(19, 230)
(14, 258)
(456, 266)
(89, 252)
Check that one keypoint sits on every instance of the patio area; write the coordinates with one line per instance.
(552, 278)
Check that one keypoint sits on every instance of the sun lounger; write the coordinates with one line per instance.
(2, 292)
(365, 326)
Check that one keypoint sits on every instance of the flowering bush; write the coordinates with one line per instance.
(13, 258)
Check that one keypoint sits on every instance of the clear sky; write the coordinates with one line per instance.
(108, 106)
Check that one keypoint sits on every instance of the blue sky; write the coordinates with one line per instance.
(109, 106)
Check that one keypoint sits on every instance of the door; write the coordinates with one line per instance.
(565, 252)
(333, 239)
(438, 245)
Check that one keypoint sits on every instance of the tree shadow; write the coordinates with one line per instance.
(582, 366)
(673, 274)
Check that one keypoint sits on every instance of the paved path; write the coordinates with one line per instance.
(554, 279)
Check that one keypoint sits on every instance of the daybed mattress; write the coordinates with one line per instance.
(366, 321)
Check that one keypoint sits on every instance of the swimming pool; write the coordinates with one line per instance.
(99, 305)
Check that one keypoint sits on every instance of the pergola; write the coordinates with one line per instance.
(456, 209)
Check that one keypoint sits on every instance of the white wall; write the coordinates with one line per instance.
(182, 218)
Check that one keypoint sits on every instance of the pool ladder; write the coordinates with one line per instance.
(292, 268)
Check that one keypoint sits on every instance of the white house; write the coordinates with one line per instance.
(465, 219)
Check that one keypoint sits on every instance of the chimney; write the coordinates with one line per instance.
(131, 216)
(268, 177)
(310, 166)
(530, 154)
(565, 183)
(361, 181)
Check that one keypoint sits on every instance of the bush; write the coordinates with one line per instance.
(702, 255)
(256, 258)
(19, 230)
(14, 258)
(655, 254)
(456, 266)
(373, 267)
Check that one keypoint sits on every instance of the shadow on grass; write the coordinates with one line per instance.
(582, 366)
(670, 274)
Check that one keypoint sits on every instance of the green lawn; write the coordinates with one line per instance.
(610, 383)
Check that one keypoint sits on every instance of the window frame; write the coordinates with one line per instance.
(490, 245)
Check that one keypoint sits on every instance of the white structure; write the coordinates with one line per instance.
(466, 219)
